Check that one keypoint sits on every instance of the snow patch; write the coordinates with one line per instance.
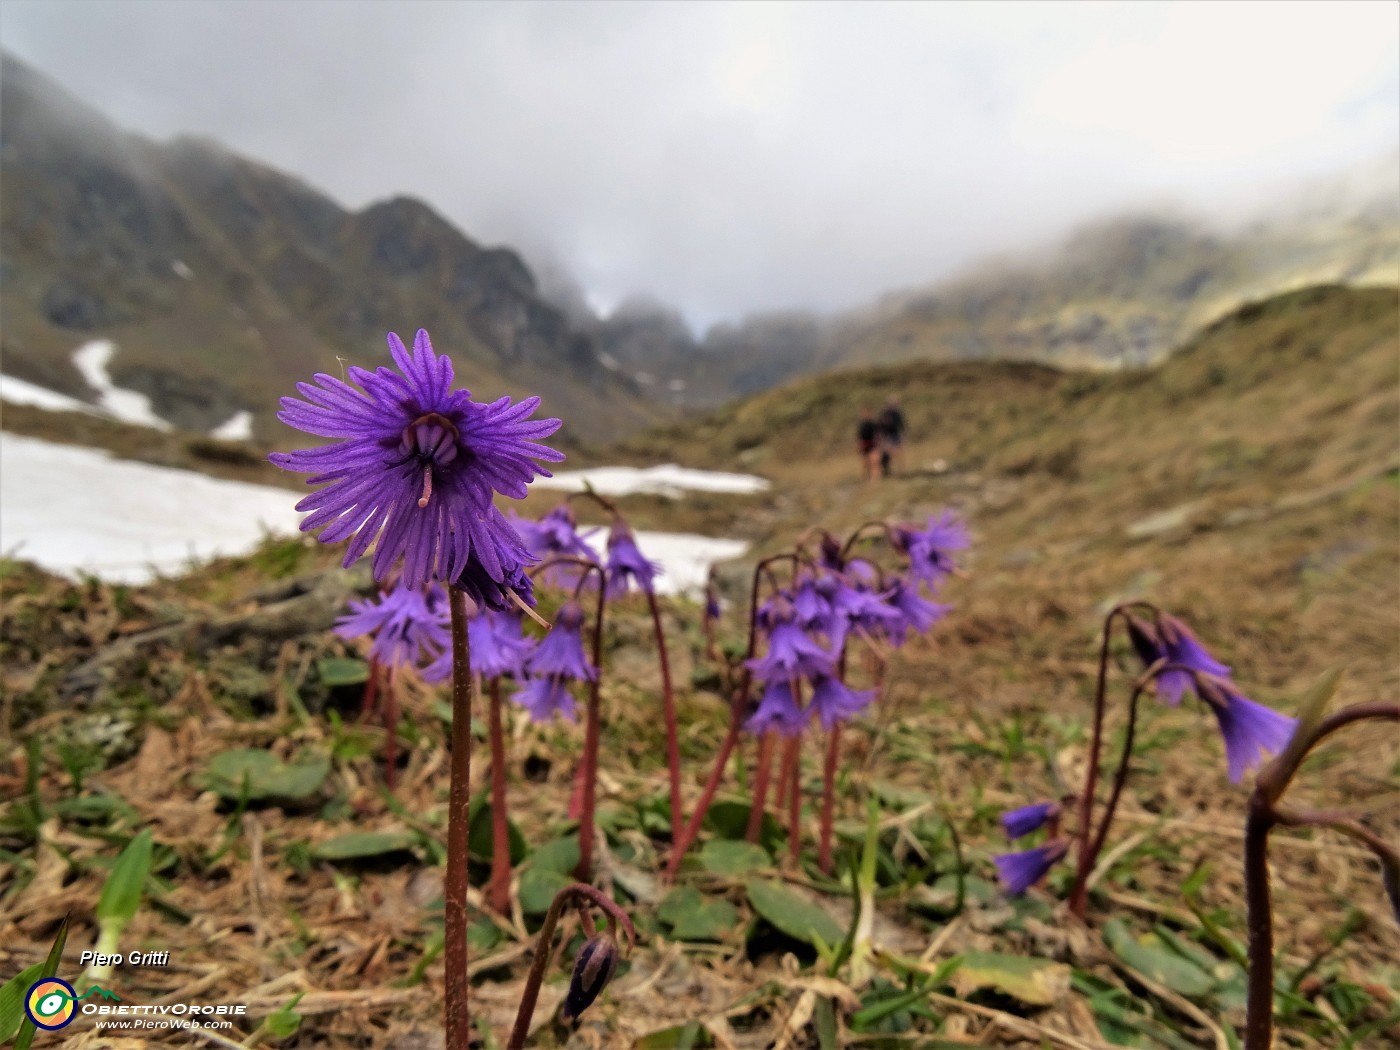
(73, 510)
(19, 392)
(126, 522)
(238, 427)
(91, 359)
(684, 557)
(182, 269)
(666, 480)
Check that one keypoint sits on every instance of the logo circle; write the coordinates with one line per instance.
(51, 1004)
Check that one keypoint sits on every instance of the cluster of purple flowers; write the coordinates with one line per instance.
(409, 628)
(1020, 871)
(408, 625)
(1250, 730)
(1182, 664)
(808, 625)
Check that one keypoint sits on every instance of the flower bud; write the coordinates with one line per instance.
(593, 969)
(1145, 640)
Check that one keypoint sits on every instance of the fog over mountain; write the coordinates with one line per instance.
(729, 159)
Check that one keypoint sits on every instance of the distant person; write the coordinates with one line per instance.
(868, 444)
(891, 425)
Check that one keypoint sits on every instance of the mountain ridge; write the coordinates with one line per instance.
(223, 281)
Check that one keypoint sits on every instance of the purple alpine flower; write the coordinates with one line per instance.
(408, 624)
(626, 562)
(560, 652)
(498, 648)
(916, 612)
(1250, 730)
(557, 660)
(811, 607)
(1021, 871)
(1179, 646)
(593, 969)
(508, 588)
(546, 697)
(930, 549)
(777, 710)
(1024, 820)
(791, 651)
(555, 535)
(416, 466)
(834, 701)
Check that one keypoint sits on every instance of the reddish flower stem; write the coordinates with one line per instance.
(792, 762)
(1263, 814)
(1078, 900)
(882, 526)
(498, 889)
(456, 1001)
(581, 895)
(1079, 890)
(763, 766)
(584, 871)
(833, 752)
(371, 690)
(391, 732)
(576, 793)
(668, 703)
(702, 805)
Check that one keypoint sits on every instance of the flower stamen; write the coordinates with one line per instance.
(427, 485)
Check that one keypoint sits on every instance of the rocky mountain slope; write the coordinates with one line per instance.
(1118, 293)
(223, 281)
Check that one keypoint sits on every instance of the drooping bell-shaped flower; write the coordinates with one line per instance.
(778, 709)
(507, 587)
(554, 536)
(558, 659)
(1250, 730)
(1180, 647)
(834, 701)
(415, 466)
(930, 550)
(498, 648)
(626, 563)
(792, 653)
(916, 613)
(408, 625)
(1026, 819)
(1021, 871)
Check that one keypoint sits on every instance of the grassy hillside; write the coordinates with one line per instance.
(1248, 484)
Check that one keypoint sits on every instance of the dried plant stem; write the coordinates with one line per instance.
(592, 728)
(833, 752)
(668, 703)
(498, 890)
(763, 768)
(707, 795)
(456, 1004)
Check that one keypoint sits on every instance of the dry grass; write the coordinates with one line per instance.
(1277, 433)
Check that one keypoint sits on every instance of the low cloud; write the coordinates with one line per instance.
(732, 158)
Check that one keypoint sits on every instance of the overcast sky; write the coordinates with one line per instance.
(729, 158)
